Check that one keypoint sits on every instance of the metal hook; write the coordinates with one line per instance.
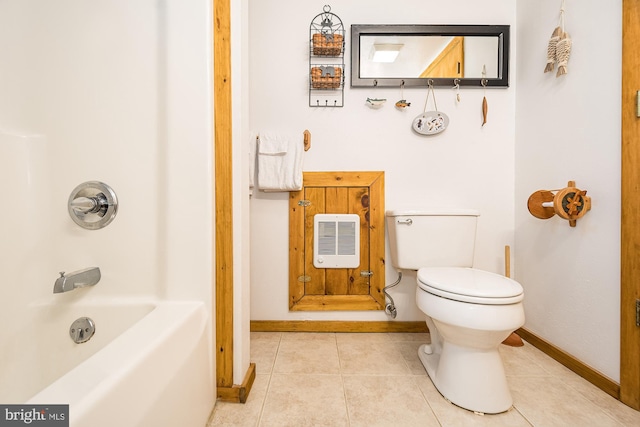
(375, 83)
(456, 83)
(430, 83)
(402, 84)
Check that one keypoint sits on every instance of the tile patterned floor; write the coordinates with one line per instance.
(327, 379)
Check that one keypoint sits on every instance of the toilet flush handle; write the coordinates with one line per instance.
(407, 221)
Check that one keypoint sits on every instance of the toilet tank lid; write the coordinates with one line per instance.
(433, 212)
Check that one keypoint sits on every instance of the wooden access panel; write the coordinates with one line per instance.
(314, 289)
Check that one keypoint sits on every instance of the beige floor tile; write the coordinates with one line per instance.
(518, 361)
(347, 337)
(265, 336)
(450, 415)
(400, 336)
(371, 358)
(263, 354)
(549, 401)
(310, 379)
(307, 356)
(309, 336)
(547, 363)
(305, 401)
(612, 407)
(239, 414)
(409, 351)
(386, 401)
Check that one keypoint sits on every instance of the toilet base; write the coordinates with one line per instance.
(473, 379)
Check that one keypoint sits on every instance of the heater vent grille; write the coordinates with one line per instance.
(336, 241)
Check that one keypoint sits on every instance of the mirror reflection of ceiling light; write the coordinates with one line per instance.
(385, 52)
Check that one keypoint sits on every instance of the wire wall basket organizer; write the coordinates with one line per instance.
(326, 60)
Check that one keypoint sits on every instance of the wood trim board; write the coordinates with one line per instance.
(335, 326)
(630, 229)
(223, 193)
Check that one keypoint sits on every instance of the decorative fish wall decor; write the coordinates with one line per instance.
(551, 50)
(485, 110)
(559, 48)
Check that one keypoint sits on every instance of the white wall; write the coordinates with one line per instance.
(241, 223)
(568, 128)
(466, 166)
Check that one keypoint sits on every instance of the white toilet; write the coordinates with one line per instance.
(469, 311)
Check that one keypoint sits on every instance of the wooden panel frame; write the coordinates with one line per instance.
(298, 301)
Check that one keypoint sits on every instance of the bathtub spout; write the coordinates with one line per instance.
(77, 279)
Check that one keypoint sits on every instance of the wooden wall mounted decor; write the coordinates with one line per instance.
(569, 203)
(319, 289)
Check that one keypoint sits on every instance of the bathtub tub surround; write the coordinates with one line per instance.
(469, 312)
(147, 132)
(159, 357)
(78, 279)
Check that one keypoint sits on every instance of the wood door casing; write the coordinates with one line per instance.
(314, 289)
(630, 237)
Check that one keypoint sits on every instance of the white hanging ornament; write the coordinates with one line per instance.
(430, 122)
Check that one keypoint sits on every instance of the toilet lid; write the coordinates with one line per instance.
(470, 285)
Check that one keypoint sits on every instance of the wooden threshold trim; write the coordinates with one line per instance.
(335, 326)
(239, 394)
(585, 371)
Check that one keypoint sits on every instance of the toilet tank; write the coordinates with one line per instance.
(431, 238)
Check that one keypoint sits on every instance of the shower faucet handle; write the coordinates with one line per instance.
(92, 205)
(85, 204)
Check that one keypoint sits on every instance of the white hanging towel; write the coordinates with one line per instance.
(280, 161)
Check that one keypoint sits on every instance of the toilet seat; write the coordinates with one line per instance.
(470, 285)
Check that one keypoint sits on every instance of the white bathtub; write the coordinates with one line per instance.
(145, 367)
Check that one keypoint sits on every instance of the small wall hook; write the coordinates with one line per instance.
(306, 135)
